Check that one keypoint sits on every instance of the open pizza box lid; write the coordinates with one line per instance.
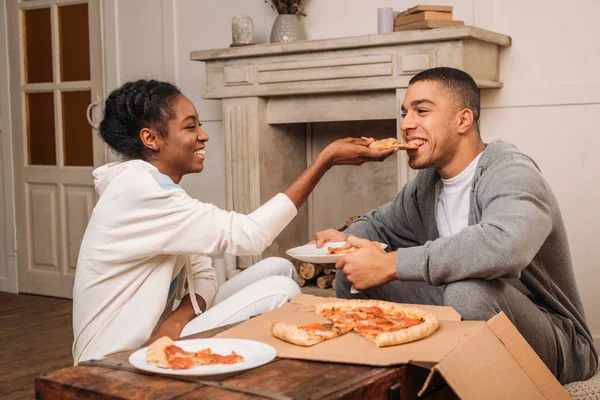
(478, 360)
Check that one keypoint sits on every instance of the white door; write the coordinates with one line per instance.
(55, 50)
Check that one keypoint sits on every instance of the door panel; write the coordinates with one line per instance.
(79, 205)
(77, 132)
(41, 141)
(43, 224)
(37, 41)
(56, 71)
(74, 42)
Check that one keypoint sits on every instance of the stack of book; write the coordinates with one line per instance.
(425, 17)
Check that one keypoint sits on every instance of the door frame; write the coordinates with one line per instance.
(8, 249)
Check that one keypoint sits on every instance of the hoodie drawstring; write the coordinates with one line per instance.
(190, 285)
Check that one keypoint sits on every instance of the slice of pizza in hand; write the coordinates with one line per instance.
(390, 143)
(309, 335)
(342, 251)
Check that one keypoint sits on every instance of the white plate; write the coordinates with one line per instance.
(255, 354)
(310, 253)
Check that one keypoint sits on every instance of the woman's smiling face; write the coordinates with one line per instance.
(181, 150)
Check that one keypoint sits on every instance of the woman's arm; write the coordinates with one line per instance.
(174, 324)
(349, 151)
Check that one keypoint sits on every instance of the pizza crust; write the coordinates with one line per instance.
(293, 334)
(157, 352)
(407, 335)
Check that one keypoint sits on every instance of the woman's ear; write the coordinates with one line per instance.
(150, 139)
(465, 120)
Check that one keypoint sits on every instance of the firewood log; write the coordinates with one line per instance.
(301, 281)
(309, 270)
(324, 281)
(333, 282)
(296, 263)
(329, 269)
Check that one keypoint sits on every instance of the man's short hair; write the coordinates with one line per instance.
(461, 84)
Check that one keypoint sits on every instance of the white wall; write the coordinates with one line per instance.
(548, 105)
(8, 256)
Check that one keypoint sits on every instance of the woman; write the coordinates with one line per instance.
(147, 241)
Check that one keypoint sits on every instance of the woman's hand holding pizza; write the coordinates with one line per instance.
(369, 266)
(354, 151)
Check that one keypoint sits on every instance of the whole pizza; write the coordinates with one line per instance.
(385, 323)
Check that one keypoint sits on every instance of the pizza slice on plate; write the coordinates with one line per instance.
(165, 353)
(311, 334)
(342, 251)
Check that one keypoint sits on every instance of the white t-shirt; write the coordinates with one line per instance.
(452, 214)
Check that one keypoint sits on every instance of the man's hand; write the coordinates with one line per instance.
(330, 235)
(354, 151)
(369, 266)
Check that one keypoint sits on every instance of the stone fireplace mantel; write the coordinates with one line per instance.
(273, 93)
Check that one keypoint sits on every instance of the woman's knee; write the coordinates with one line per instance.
(280, 285)
(278, 266)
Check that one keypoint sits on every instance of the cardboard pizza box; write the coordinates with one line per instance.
(477, 359)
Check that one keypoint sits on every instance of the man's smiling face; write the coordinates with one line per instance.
(430, 114)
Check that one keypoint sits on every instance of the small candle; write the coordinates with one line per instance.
(385, 20)
(242, 29)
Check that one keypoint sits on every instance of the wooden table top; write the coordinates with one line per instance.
(113, 377)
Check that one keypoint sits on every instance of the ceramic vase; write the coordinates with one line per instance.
(287, 28)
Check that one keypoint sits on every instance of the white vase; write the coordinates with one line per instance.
(287, 28)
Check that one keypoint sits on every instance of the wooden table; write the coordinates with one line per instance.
(114, 378)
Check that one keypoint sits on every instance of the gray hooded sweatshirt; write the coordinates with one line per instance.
(515, 232)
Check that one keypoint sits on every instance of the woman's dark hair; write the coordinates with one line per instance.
(132, 107)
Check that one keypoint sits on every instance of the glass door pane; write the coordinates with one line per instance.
(77, 132)
(74, 42)
(40, 128)
(37, 43)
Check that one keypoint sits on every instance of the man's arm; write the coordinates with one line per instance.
(515, 222)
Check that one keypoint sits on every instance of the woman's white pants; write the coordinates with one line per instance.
(264, 286)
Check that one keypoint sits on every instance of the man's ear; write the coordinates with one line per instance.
(465, 120)
(150, 139)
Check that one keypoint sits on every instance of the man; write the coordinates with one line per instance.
(478, 229)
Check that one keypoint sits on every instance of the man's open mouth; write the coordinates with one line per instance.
(417, 142)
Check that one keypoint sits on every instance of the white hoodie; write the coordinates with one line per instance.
(139, 236)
